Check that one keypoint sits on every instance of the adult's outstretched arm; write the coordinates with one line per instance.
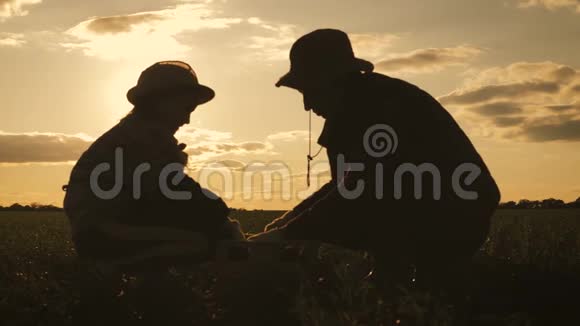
(302, 207)
(333, 218)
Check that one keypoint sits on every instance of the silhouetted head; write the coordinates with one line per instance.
(319, 62)
(168, 92)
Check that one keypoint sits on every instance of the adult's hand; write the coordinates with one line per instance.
(280, 221)
(276, 235)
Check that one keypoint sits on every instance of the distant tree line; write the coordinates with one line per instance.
(550, 203)
(546, 203)
(34, 207)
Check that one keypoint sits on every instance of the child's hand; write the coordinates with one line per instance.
(183, 157)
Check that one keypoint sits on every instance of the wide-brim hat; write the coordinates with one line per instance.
(167, 78)
(320, 56)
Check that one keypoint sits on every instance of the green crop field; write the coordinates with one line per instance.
(527, 272)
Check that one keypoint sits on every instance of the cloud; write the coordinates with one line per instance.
(121, 24)
(534, 102)
(498, 108)
(371, 45)
(208, 150)
(505, 91)
(12, 8)
(41, 147)
(267, 167)
(232, 165)
(508, 121)
(12, 40)
(145, 35)
(563, 107)
(191, 135)
(565, 130)
(274, 41)
(428, 60)
(244, 147)
(525, 71)
(289, 136)
(205, 145)
(551, 4)
(278, 39)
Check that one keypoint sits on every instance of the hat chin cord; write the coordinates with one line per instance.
(310, 157)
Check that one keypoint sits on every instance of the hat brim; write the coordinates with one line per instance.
(200, 94)
(204, 94)
(292, 80)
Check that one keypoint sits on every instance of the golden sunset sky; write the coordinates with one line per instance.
(507, 70)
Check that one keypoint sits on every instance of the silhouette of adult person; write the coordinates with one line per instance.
(128, 193)
(432, 229)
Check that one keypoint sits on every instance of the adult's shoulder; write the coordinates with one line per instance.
(387, 85)
(398, 95)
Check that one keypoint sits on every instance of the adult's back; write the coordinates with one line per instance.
(422, 189)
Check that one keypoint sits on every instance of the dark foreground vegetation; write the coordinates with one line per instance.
(528, 273)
